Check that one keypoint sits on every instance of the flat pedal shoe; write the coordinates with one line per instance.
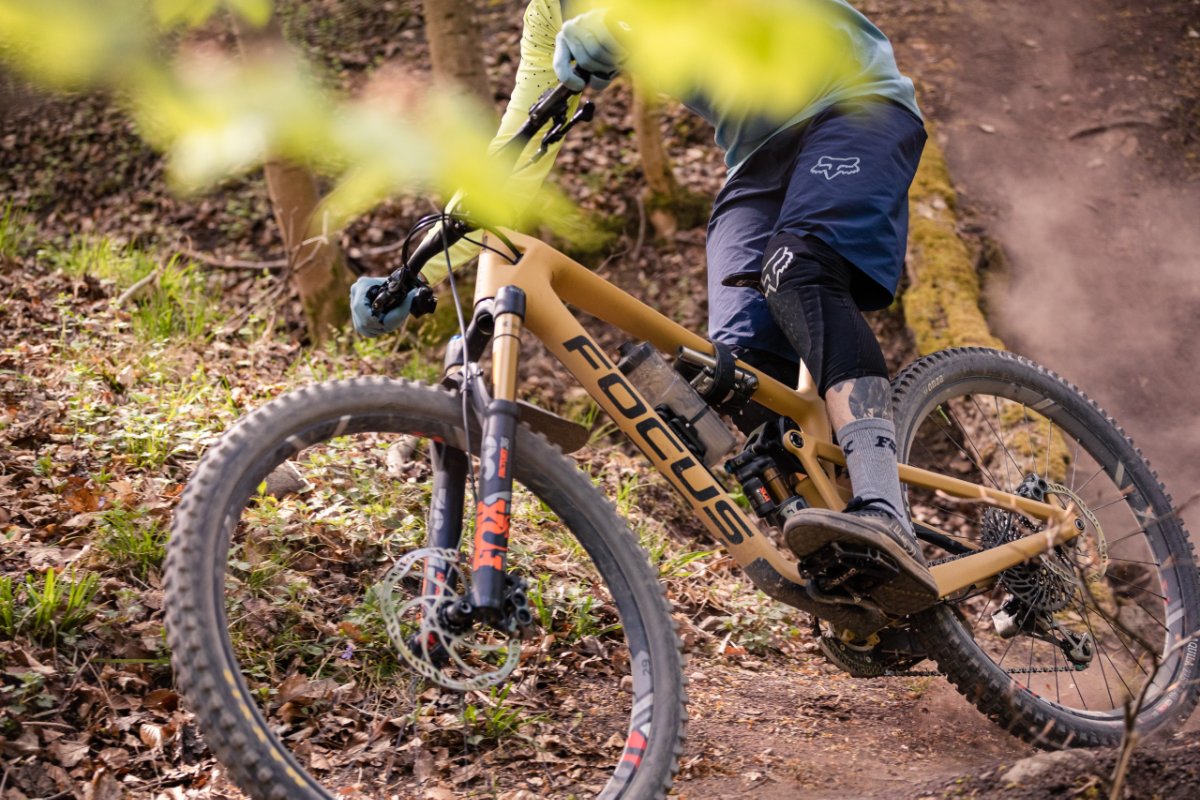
(861, 555)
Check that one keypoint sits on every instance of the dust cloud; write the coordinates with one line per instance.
(1101, 228)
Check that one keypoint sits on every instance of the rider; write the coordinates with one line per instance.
(809, 230)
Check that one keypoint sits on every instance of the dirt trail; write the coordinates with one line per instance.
(800, 730)
(1014, 88)
(1054, 120)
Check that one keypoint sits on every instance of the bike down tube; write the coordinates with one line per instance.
(496, 459)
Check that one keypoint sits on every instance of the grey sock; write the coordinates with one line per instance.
(870, 448)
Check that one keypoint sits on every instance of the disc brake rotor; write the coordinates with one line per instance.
(460, 657)
(1095, 571)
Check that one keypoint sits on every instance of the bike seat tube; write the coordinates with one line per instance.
(496, 459)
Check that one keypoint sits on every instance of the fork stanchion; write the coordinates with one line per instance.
(489, 581)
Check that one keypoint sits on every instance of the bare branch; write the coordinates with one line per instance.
(1093, 130)
(234, 263)
(129, 293)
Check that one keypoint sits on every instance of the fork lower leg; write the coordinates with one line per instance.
(496, 459)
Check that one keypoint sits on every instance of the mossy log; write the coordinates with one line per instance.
(941, 304)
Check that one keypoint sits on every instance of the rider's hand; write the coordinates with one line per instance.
(365, 320)
(586, 41)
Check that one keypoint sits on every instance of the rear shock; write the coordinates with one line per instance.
(767, 473)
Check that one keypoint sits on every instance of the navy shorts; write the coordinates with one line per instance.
(842, 177)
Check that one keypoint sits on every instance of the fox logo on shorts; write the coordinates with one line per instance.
(831, 167)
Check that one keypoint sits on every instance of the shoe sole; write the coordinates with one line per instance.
(913, 589)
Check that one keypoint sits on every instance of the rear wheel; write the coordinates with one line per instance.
(284, 606)
(1054, 649)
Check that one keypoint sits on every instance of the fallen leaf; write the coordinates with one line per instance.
(103, 786)
(161, 699)
(69, 753)
(152, 735)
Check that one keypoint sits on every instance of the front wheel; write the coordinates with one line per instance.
(284, 645)
(1054, 649)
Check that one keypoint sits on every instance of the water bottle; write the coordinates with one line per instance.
(677, 402)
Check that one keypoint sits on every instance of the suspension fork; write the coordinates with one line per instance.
(489, 579)
(450, 466)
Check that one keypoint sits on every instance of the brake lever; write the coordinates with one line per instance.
(586, 112)
(387, 296)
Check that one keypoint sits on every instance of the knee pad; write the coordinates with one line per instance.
(807, 286)
(793, 260)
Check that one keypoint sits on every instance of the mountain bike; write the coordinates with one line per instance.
(393, 621)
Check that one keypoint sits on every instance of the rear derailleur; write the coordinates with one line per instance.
(1015, 617)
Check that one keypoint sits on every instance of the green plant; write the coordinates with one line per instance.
(8, 607)
(177, 305)
(627, 494)
(674, 566)
(133, 541)
(16, 234)
(30, 692)
(50, 608)
(493, 720)
(168, 299)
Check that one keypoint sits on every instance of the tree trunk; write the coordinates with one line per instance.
(452, 28)
(315, 261)
(668, 204)
(661, 186)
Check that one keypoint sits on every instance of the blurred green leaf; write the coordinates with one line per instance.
(256, 12)
(767, 57)
(70, 43)
(188, 12)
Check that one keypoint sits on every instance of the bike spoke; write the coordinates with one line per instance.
(1057, 689)
(1074, 465)
(1029, 676)
(1134, 561)
(999, 437)
(1123, 537)
(986, 606)
(1049, 446)
(1012, 641)
(1099, 508)
(1089, 480)
(967, 436)
(1103, 674)
(1135, 586)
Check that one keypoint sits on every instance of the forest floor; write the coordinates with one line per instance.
(105, 410)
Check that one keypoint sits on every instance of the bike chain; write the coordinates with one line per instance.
(937, 673)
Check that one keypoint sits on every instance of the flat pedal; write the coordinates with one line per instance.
(850, 570)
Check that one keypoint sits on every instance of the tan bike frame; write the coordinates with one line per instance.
(551, 279)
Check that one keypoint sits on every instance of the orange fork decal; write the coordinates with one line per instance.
(491, 534)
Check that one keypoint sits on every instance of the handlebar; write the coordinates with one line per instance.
(550, 107)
